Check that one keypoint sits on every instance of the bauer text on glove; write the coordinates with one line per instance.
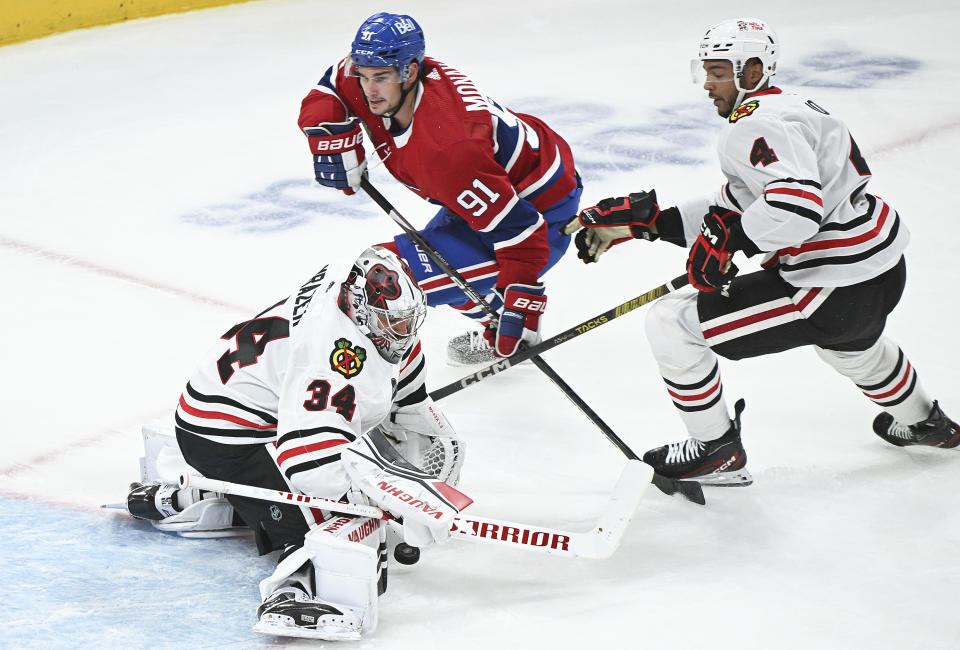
(523, 304)
(338, 157)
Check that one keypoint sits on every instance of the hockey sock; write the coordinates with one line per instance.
(885, 375)
(698, 396)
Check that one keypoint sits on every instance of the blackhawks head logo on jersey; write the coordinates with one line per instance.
(347, 359)
(744, 110)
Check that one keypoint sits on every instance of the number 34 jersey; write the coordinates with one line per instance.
(302, 377)
(798, 177)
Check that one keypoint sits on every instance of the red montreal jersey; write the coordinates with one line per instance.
(496, 169)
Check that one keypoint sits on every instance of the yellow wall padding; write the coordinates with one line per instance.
(21, 20)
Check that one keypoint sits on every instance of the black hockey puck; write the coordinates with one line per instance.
(406, 554)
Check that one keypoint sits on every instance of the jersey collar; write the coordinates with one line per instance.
(401, 139)
(768, 91)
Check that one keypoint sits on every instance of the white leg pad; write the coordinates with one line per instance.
(346, 570)
(203, 519)
(163, 463)
(345, 553)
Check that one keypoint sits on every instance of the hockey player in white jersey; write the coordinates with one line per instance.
(307, 397)
(833, 265)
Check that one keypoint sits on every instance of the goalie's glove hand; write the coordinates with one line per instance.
(709, 264)
(424, 436)
(614, 221)
(338, 157)
(523, 305)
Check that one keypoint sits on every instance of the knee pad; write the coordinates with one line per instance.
(674, 334)
(877, 360)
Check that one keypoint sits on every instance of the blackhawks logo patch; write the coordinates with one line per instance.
(743, 110)
(347, 359)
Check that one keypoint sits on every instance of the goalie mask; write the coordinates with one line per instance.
(384, 300)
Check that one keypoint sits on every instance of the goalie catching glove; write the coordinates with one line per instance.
(424, 437)
(338, 157)
(426, 505)
(615, 220)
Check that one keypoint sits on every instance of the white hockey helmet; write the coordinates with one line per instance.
(383, 299)
(738, 40)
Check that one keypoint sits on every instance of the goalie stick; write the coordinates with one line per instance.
(689, 489)
(596, 543)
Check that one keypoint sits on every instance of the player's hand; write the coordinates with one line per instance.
(523, 305)
(709, 265)
(613, 221)
(338, 157)
(426, 505)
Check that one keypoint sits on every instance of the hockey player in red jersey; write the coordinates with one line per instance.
(322, 394)
(506, 182)
(833, 265)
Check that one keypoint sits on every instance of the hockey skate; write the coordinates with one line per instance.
(720, 462)
(289, 611)
(469, 349)
(189, 513)
(936, 431)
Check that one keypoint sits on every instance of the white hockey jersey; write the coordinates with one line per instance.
(797, 176)
(301, 376)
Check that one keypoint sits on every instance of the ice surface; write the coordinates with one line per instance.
(154, 189)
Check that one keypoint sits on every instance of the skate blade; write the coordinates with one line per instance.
(740, 478)
(462, 362)
(278, 629)
(114, 506)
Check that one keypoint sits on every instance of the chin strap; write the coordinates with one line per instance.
(403, 95)
(742, 94)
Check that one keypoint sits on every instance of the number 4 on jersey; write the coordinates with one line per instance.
(761, 153)
(344, 400)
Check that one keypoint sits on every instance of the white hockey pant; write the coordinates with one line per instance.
(688, 366)
(690, 369)
(884, 374)
(346, 554)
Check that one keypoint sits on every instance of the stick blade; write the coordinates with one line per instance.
(689, 490)
(630, 488)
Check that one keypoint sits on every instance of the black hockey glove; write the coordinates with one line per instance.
(709, 264)
(615, 220)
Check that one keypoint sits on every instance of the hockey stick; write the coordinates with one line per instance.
(690, 490)
(547, 344)
(597, 543)
(199, 482)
